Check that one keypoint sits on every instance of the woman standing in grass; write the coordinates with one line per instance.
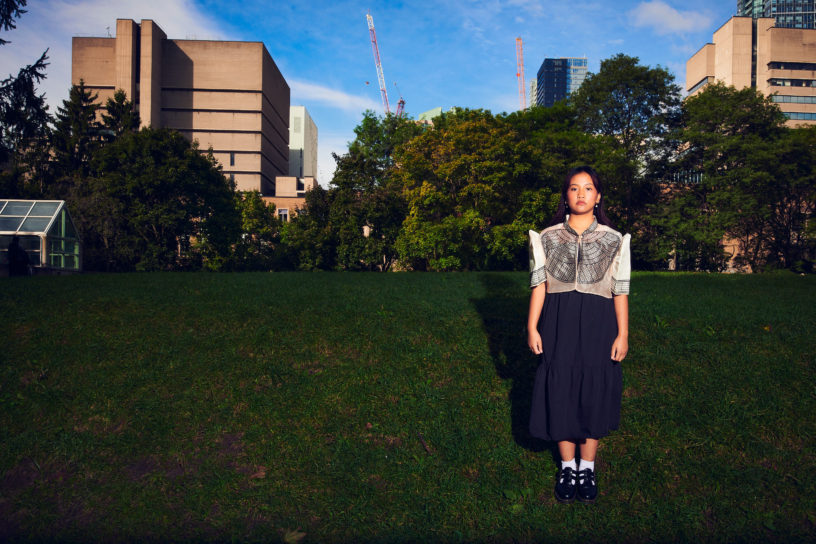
(578, 325)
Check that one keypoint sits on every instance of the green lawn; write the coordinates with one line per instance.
(392, 408)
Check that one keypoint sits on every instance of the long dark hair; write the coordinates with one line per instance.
(562, 211)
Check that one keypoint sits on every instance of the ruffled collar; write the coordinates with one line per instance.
(589, 229)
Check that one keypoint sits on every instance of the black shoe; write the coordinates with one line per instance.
(587, 488)
(565, 485)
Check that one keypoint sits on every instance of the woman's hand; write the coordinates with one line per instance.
(534, 341)
(620, 347)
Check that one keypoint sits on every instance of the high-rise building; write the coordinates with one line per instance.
(558, 78)
(777, 61)
(302, 143)
(230, 96)
(787, 13)
(750, 8)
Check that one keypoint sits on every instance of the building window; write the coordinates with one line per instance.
(232, 158)
(800, 116)
(788, 99)
(792, 65)
(232, 178)
(778, 82)
(702, 83)
(283, 214)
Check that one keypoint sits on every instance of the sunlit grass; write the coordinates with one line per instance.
(391, 407)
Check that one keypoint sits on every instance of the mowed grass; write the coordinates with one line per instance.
(334, 407)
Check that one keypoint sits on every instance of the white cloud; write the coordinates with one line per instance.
(328, 144)
(51, 25)
(305, 92)
(664, 19)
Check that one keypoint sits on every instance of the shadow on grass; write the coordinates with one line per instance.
(503, 310)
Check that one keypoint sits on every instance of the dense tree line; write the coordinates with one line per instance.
(685, 178)
(689, 179)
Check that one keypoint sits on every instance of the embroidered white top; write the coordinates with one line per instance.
(596, 261)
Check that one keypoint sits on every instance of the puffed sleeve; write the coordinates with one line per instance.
(538, 260)
(622, 268)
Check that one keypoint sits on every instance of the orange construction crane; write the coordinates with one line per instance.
(376, 50)
(520, 73)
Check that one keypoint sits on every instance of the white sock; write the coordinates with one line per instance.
(587, 464)
(571, 463)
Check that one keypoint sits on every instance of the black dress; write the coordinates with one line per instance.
(577, 390)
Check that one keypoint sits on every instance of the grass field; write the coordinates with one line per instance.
(334, 407)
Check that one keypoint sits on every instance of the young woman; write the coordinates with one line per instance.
(578, 325)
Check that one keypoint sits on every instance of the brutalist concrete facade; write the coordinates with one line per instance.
(228, 95)
(777, 61)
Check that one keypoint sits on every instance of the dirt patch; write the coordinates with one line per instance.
(141, 468)
(27, 476)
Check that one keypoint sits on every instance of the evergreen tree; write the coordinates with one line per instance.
(75, 137)
(10, 10)
(119, 116)
(24, 119)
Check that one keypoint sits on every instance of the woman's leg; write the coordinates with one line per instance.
(567, 450)
(588, 449)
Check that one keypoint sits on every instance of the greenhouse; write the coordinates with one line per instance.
(44, 230)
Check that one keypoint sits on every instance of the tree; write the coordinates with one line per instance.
(75, 137)
(366, 207)
(10, 10)
(259, 243)
(477, 182)
(24, 117)
(638, 106)
(120, 115)
(154, 202)
(308, 240)
(740, 175)
(24, 131)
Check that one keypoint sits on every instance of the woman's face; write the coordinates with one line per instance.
(581, 194)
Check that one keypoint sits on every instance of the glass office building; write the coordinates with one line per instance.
(559, 78)
(788, 13)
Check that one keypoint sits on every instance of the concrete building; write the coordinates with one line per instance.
(302, 143)
(558, 78)
(227, 95)
(787, 13)
(749, 52)
(290, 195)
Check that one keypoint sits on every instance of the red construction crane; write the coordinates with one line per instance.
(520, 73)
(376, 50)
(400, 103)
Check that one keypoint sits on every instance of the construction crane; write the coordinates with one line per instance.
(376, 50)
(401, 102)
(520, 74)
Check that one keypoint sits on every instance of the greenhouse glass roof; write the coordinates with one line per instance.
(30, 216)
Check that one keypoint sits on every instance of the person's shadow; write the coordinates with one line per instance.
(503, 310)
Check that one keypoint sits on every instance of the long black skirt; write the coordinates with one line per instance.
(577, 390)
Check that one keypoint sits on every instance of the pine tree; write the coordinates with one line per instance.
(76, 135)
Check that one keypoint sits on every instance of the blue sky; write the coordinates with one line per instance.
(439, 53)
